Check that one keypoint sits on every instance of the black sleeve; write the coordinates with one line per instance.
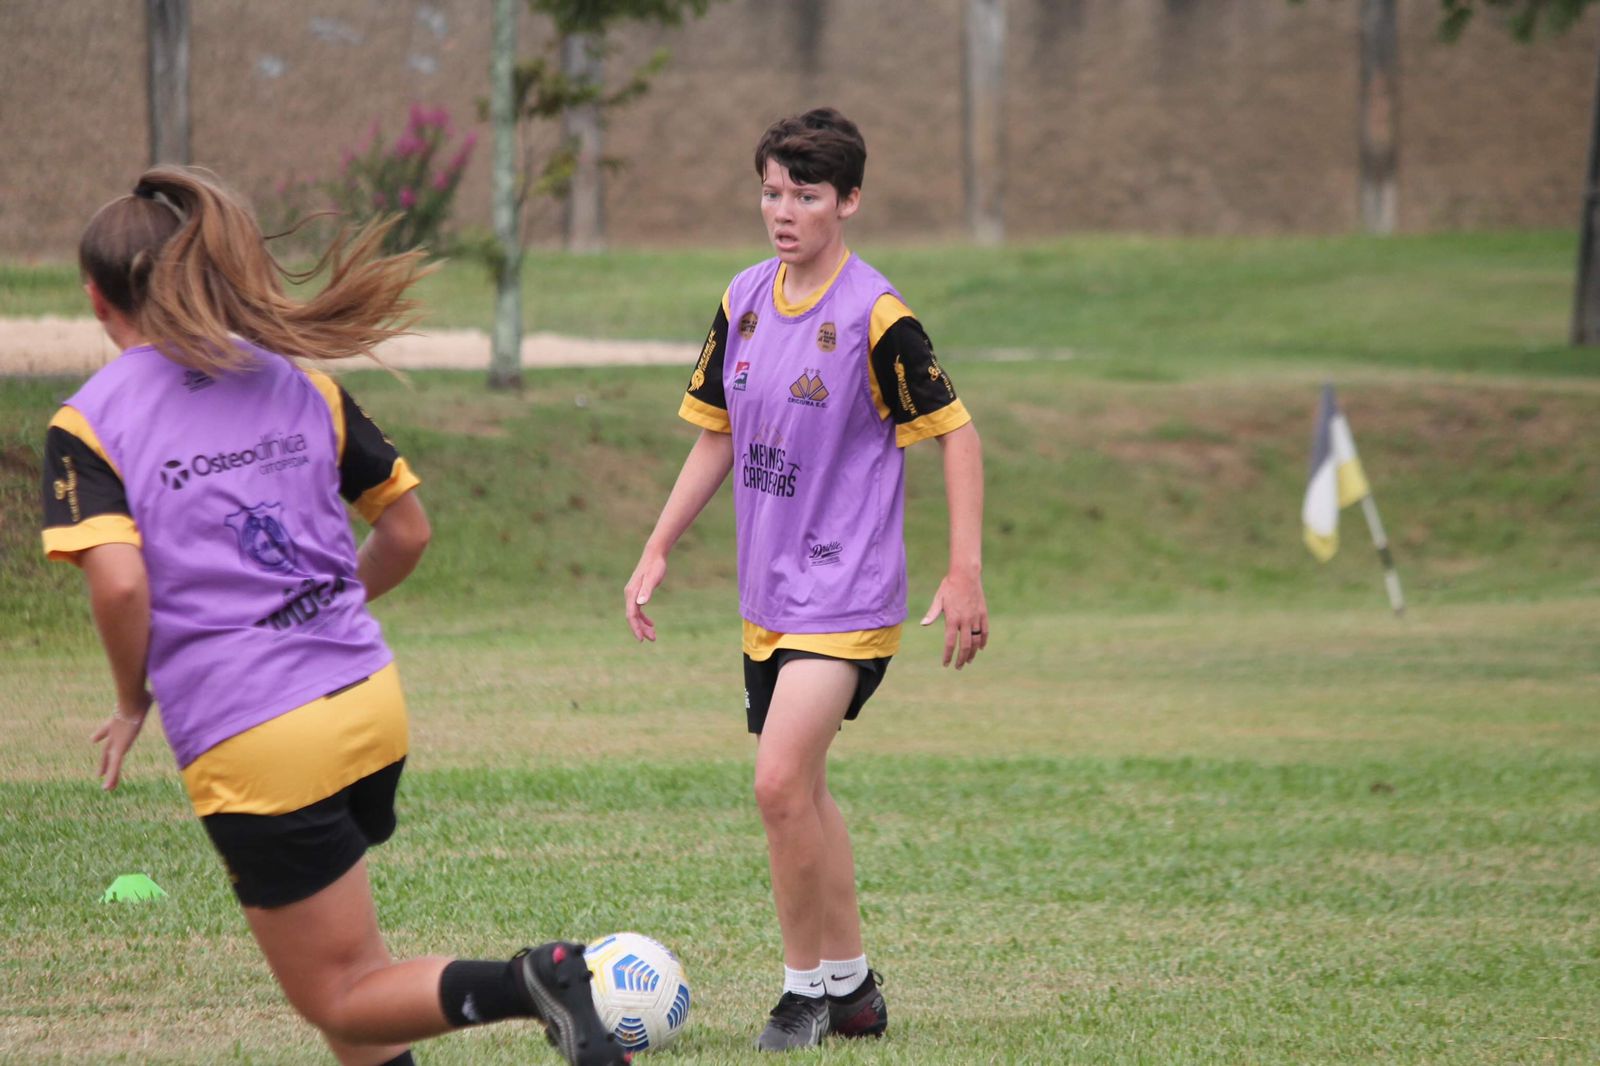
(78, 483)
(705, 384)
(909, 377)
(369, 456)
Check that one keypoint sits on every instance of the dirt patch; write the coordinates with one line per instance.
(51, 345)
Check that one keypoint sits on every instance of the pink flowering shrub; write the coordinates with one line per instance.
(416, 177)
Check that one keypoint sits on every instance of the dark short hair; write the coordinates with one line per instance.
(818, 147)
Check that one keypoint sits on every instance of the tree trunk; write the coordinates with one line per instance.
(585, 205)
(1586, 302)
(983, 117)
(167, 38)
(1380, 117)
(505, 363)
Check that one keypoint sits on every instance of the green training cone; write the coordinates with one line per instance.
(132, 888)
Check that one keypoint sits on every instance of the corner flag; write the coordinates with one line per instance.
(1336, 482)
(1337, 479)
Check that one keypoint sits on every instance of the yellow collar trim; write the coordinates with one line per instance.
(794, 310)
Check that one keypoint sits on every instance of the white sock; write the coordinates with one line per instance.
(803, 982)
(843, 978)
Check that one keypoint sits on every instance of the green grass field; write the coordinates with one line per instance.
(1134, 308)
(1202, 801)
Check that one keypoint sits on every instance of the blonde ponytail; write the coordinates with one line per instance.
(184, 258)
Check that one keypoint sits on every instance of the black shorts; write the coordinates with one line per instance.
(277, 859)
(760, 678)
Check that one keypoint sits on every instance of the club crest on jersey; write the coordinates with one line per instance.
(263, 541)
(741, 375)
(747, 325)
(827, 337)
(808, 389)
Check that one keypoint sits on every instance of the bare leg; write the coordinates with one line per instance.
(841, 918)
(808, 703)
(330, 959)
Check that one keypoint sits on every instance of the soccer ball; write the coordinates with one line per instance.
(639, 989)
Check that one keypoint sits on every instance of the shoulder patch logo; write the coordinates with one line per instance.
(67, 488)
(747, 325)
(698, 378)
(903, 389)
(827, 337)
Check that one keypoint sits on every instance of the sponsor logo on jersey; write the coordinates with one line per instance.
(808, 389)
(827, 336)
(194, 380)
(747, 325)
(766, 468)
(741, 375)
(67, 488)
(904, 389)
(828, 554)
(273, 453)
(303, 603)
(263, 540)
(936, 372)
(174, 475)
(698, 378)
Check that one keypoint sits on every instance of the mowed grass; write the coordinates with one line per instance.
(1212, 837)
(1135, 308)
(1202, 800)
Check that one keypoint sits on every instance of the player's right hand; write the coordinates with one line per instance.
(118, 733)
(646, 576)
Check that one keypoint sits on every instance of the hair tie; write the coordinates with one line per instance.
(145, 191)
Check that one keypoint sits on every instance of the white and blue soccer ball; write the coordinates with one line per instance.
(639, 989)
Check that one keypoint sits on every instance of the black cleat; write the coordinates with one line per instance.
(556, 980)
(861, 1013)
(796, 1022)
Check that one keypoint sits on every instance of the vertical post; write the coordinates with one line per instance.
(1380, 117)
(1380, 541)
(582, 63)
(505, 363)
(167, 44)
(983, 117)
(1586, 299)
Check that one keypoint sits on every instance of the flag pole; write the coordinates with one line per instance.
(1380, 541)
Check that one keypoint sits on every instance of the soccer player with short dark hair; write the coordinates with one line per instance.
(814, 378)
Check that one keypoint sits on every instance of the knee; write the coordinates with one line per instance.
(781, 796)
(327, 1013)
(331, 1007)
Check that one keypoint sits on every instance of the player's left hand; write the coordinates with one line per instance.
(118, 734)
(966, 617)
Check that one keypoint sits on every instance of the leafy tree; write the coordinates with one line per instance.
(545, 90)
(1525, 20)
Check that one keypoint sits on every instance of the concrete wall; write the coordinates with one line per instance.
(1182, 116)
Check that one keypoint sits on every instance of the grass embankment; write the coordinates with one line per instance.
(1129, 307)
(1202, 801)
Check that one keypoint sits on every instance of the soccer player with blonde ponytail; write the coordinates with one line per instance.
(197, 481)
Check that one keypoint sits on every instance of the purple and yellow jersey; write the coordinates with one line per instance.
(820, 397)
(231, 488)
